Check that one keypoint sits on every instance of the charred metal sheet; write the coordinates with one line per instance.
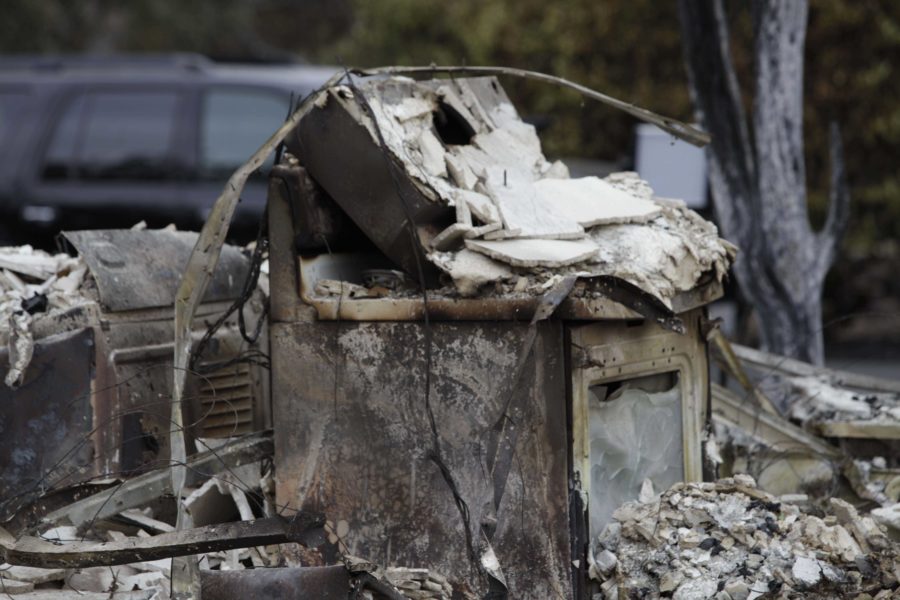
(354, 441)
(303, 583)
(332, 143)
(141, 269)
(45, 424)
(37, 552)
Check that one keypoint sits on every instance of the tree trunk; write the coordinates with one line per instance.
(758, 182)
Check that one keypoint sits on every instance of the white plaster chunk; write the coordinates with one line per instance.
(630, 183)
(480, 206)
(521, 208)
(460, 172)
(463, 213)
(471, 270)
(557, 170)
(513, 149)
(450, 238)
(483, 230)
(806, 571)
(432, 154)
(606, 561)
(411, 107)
(591, 201)
(475, 159)
(535, 253)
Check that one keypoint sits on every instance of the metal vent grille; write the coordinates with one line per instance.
(226, 402)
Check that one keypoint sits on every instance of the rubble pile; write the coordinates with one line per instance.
(822, 399)
(215, 501)
(515, 214)
(730, 540)
(33, 282)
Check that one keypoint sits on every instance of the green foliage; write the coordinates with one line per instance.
(630, 49)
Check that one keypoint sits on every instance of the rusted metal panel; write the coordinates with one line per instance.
(332, 143)
(45, 424)
(141, 269)
(354, 441)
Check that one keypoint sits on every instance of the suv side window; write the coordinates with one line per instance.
(234, 124)
(12, 104)
(114, 135)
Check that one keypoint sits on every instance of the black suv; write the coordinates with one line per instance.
(106, 142)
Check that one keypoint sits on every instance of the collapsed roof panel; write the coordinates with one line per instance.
(453, 160)
(137, 269)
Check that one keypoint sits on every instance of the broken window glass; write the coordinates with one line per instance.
(635, 431)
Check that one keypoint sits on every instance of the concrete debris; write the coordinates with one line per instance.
(889, 516)
(700, 539)
(33, 283)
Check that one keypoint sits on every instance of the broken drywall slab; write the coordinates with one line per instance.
(590, 201)
(451, 238)
(480, 206)
(21, 347)
(32, 574)
(535, 252)
(889, 516)
(525, 213)
(470, 270)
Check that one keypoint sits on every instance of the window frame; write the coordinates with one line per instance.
(614, 352)
(208, 89)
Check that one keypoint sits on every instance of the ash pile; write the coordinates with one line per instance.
(33, 283)
(808, 431)
(730, 540)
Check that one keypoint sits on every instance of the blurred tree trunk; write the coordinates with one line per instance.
(757, 170)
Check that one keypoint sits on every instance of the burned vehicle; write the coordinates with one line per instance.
(477, 401)
(475, 362)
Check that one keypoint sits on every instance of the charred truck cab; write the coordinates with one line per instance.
(476, 358)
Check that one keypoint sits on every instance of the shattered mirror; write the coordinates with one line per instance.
(635, 433)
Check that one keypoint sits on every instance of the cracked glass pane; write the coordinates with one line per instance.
(635, 433)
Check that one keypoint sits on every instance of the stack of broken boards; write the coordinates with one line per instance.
(729, 540)
(458, 161)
